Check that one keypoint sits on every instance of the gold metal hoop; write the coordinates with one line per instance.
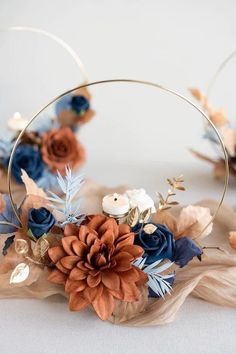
(140, 82)
(56, 39)
(217, 73)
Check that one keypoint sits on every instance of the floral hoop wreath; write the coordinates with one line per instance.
(113, 261)
(222, 123)
(59, 129)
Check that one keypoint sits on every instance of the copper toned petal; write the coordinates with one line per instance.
(79, 248)
(91, 238)
(118, 294)
(62, 268)
(130, 291)
(56, 253)
(93, 281)
(94, 249)
(123, 261)
(81, 265)
(130, 276)
(129, 240)
(77, 274)
(108, 237)
(111, 280)
(96, 221)
(109, 224)
(133, 250)
(67, 244)
(57, 277)
(104, 305)
(77, 302)
(143, 278)
(69, 262)
(83, 232)
(71, 230)
(92, 293)
(101, 260)
(74, 285)
(124, 229)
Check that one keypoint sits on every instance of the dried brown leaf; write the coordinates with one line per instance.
(124, 311)
(196, 93)
(219, 118)
(31, 186)
(192, 221)
(164, 217)
(232, 239)
(229, 136)
(173, 203)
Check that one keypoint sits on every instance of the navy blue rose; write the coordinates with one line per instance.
(29, 159)
(185, 251)
(79, 104)
(158, 245)
(40, 221)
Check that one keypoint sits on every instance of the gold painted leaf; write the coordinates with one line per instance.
(20, 273)
(21, 246)
(145, 216)
(41, 247)
(133, 217)
(149, 229)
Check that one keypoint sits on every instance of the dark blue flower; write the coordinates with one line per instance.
(185, 250)
(40, 221)
(27, 158)
(158, 245)
(77, 103)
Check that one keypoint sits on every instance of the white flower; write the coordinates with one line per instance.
(139, 198)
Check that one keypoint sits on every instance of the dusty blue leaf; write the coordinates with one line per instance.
(8, 216)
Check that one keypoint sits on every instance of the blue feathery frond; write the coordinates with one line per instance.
(156, 281)
(70, 186)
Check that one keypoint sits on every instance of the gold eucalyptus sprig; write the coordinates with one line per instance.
(175, 184)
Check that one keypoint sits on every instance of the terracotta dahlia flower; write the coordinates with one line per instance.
(95, 264)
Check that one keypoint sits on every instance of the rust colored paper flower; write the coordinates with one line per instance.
(60, 148)
(95, 264)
